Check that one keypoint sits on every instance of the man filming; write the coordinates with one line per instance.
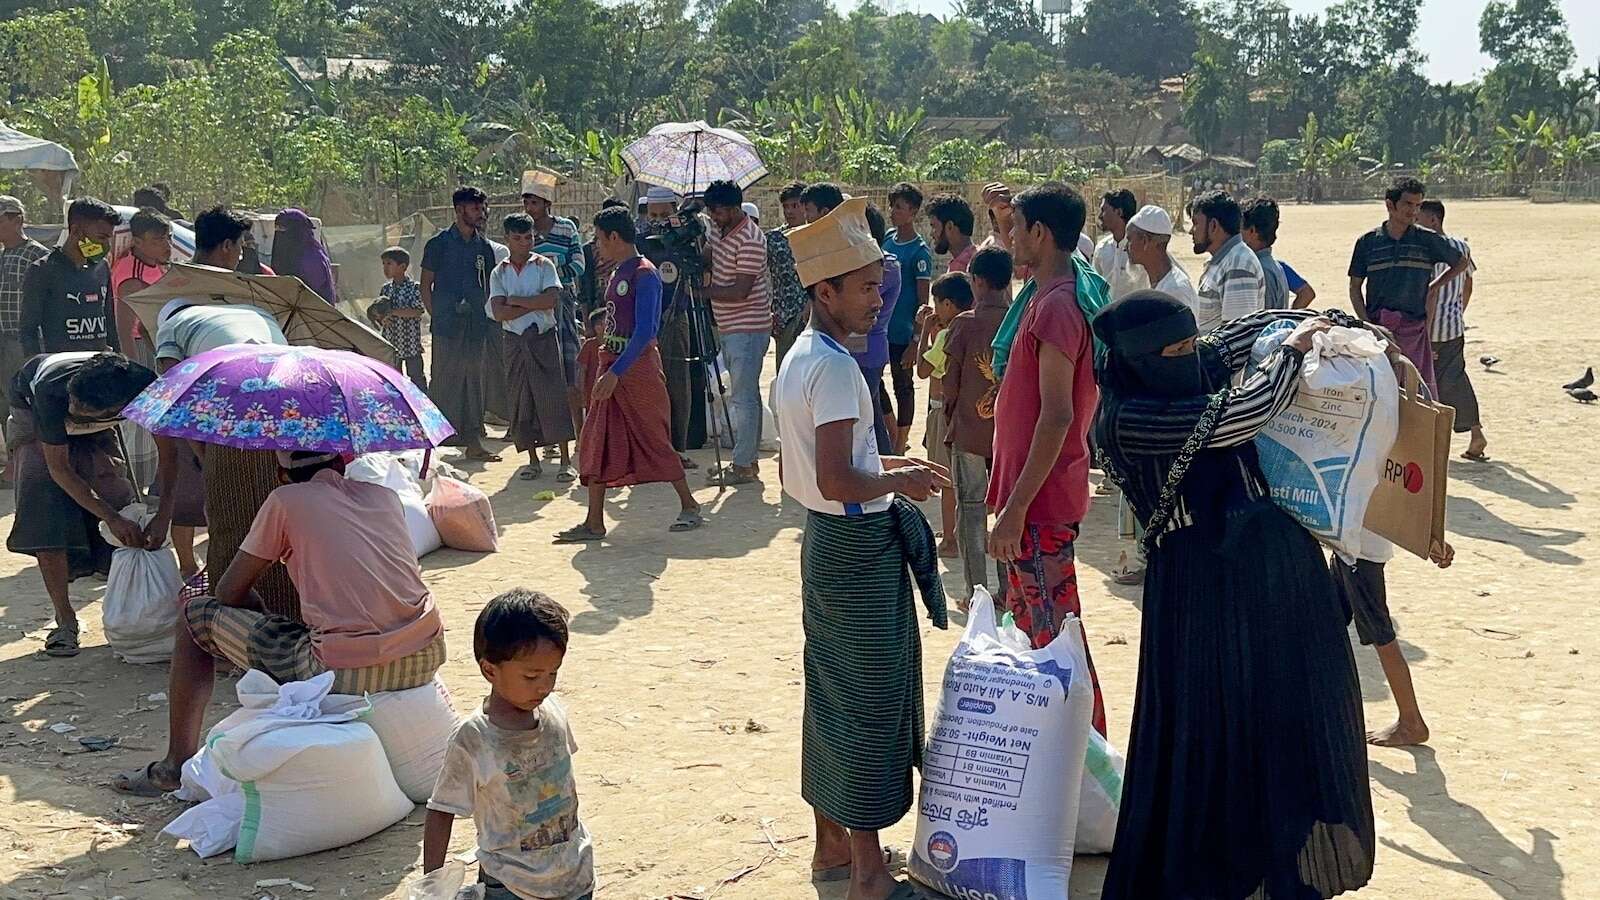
(738, 292)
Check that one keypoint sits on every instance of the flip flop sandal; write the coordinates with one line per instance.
(582, 534)
(529, 473)
(139, 783)
(566, 475)
(1128, 576)
(687, 521)
(730, 478)
(61, 642)
(1474, 457)
(893, 857)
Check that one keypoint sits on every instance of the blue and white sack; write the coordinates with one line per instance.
(998, 813)
(1324, 455)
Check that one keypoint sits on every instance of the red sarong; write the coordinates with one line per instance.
(627, 438)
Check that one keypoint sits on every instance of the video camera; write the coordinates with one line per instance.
(675, 245)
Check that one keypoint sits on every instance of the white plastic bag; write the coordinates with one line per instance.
(414, 727)
(396, 472)
(286, 777)
(1323, 456)
(1101, 797)
(1001, 780)
(444, 883)
(140, 606)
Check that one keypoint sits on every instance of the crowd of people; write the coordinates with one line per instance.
(1110, 357)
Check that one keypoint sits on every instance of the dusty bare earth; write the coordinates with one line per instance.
(684, 673)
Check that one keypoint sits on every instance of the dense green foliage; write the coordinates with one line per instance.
(201, 94)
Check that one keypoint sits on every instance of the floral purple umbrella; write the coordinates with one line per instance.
(267, 397)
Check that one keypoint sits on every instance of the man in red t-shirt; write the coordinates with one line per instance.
(1039, 487)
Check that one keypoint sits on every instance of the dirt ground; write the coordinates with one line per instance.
(683, 678)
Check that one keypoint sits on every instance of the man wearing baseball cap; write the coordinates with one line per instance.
(17, 253)
(863, 723)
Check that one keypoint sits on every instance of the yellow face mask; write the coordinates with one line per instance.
(92, 250)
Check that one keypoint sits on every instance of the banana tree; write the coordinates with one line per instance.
(1519, 142)
(1573, 153)
(1342, 154)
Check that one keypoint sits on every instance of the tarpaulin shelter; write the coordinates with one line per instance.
(52, 166)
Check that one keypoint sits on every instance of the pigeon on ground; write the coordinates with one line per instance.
(1583, 395)
(1583, 382)
(1489, 362)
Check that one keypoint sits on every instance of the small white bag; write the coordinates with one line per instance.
(140, 606)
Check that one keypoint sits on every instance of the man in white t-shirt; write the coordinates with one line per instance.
(863, 685)
(1149, 233)
(1117, 208)
(524, 297)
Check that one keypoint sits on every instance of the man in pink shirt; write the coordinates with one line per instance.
(950, 220)
(1039, 486)
(368, 616)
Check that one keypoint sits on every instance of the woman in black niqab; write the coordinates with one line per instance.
(1247, 766)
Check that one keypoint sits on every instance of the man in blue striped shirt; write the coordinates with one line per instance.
(1449, 338)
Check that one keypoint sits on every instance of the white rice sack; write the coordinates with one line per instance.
(998, 813)
(414, 727)
(1324, 455)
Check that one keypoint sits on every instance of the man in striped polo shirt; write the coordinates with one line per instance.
(739, 300)
(1232, 285)
(1449, 337)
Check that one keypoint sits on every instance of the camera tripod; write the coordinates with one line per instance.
(703, 349)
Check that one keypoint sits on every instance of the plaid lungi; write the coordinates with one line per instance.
(281, 647)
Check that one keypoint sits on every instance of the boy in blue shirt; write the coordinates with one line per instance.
(916, 276)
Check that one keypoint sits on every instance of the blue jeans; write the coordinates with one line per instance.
(744, 354)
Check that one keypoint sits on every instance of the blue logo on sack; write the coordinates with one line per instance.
(942, 851)
(969, 704)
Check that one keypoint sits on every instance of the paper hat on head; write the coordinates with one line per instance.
(1152, 220)
(539, 184)
(836, 244)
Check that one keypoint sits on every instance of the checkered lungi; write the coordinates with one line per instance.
(281, 647)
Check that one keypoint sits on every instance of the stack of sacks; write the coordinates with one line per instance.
(283, 777)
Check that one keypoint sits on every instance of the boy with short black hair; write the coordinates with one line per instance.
(509, 765)
(399, 313)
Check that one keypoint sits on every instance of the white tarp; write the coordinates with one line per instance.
(26, 152)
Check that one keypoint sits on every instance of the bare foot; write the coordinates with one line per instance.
(1400, 734)
(879, 885)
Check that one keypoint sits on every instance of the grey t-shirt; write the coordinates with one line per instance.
(518, 788)
(192, 330)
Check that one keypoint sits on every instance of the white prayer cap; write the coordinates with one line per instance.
(659, 194)
(751, 210)
(1152, 220)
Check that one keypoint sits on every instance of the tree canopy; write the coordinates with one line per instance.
(283, 101)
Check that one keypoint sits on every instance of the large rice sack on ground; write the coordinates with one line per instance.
(395, 473)
(414, 727)
(1003, 773)
(463, 515)
(283, 777)
(1324, 455)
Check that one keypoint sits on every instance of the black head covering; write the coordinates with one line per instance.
(1135, 329)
